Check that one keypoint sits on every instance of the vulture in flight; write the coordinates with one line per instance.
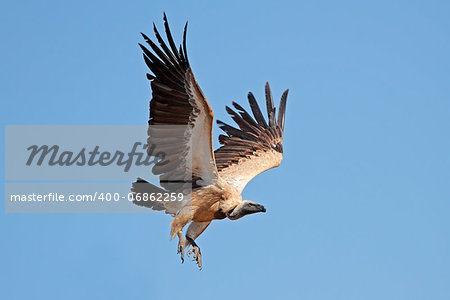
(180, 126)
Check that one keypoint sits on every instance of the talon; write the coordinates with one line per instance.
(197, 257)
(196, 250)
(181, 252)
(180, 249)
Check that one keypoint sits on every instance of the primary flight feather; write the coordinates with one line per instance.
(180, 126)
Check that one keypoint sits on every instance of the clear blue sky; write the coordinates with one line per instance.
(359, 208)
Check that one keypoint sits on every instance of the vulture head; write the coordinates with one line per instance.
(246, 207)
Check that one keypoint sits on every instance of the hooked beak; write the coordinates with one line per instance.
(261, 208)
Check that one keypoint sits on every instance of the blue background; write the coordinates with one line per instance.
(360, 207)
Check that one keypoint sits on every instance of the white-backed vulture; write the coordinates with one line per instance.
(211, 181)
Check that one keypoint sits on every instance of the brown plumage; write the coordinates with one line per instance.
(180, 126)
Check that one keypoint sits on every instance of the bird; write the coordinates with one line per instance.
(180, 126)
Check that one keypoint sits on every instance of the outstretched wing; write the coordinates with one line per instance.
(253, 148)
(178, 100)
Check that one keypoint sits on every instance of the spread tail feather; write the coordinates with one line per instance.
(142, 190)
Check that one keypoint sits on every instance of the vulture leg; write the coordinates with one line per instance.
(194, 230)
(181, 245)
(196, 250)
